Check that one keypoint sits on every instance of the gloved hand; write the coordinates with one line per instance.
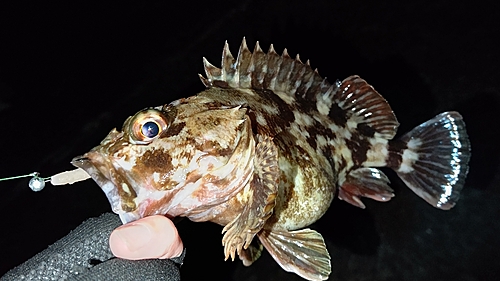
(84, 254)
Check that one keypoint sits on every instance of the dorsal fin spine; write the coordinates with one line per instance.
(324, 97)
(257, 63)
(325, 100)
(309, 84)
(227, 66)
(270, 71)
(272, 59)
(212, 72)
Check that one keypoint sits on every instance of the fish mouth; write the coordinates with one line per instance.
(91, 165)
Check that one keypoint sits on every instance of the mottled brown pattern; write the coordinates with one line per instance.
(358, 145)
(156, 161)
(342, 164)
(116, 148)
(275, 123)
(213, 148)
(193, 177)
(255, 126)
(221, 84)
(203, 193)
(127, 197)
(311, 140)
(173, 130)
(225, 212)
(338, 115)
(285, 116)
(318, 129)
(169, 112)
(156, 158)
(328, 152)
(396, 148)
(213, 105)
(366, 130)
(284, 141)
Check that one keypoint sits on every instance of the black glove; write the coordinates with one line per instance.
(84, 254)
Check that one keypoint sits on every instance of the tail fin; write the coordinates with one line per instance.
(432, 159)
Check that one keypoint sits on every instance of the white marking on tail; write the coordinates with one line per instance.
(378, 153)
(409, 157)
(414, 143)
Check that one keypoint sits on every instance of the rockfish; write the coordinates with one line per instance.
(263, 150)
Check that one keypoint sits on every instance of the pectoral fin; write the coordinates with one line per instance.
(302, 252)
(258, 198)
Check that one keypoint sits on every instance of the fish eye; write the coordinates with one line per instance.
(150, 129)
(146, 125)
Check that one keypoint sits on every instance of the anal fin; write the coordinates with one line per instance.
(365, 182)
(302, 252)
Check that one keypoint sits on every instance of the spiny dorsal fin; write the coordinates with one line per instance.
(290, 76)
(269, 71)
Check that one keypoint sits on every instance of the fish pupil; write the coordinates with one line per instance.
(150, 129)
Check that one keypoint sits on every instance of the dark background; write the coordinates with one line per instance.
(71, 71)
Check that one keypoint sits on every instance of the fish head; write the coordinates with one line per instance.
(176, 160)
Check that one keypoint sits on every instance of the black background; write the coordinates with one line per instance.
(71, 71)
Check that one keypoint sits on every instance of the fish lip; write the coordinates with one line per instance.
(89, 165)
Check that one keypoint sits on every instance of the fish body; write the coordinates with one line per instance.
(263, 150)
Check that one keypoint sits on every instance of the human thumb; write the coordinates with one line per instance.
(147, 238)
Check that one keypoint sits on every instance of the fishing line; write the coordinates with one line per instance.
(37, 183)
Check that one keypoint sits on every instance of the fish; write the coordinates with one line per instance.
(264, 149)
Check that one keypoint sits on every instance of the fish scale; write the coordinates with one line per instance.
(263, 150)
